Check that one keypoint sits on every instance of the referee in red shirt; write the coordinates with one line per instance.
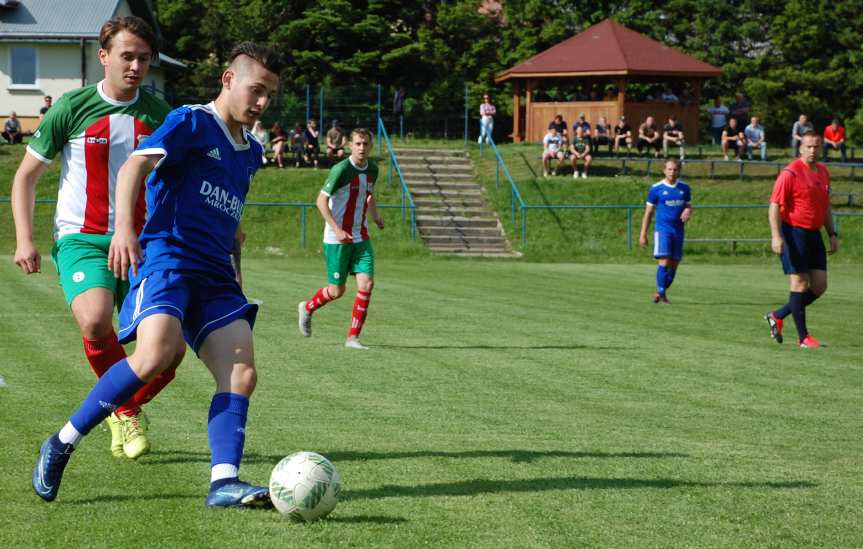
(799, 208)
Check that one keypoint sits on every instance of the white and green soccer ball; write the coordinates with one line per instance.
(305, 486)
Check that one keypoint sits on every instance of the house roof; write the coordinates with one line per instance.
(609, 48)
(50, 19)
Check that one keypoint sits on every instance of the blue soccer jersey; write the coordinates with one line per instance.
(196, 194)
(670, 201)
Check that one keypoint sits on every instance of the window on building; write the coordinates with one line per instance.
(23, 61)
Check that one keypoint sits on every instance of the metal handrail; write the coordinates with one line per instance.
(407, 199)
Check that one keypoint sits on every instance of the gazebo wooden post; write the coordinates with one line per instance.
(621, 97)
(696, 91)
(528, 99)
(516, 111)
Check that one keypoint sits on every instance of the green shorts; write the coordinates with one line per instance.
(345, 259)
(82, 263)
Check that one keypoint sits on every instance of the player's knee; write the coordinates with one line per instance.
(94, 325)
(366, 285)
(244, 379)
(155, 359)
(336, 291)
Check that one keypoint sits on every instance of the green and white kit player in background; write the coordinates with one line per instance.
(95, 128)
(343, 202)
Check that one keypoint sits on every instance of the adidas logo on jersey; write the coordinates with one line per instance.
(214, 154)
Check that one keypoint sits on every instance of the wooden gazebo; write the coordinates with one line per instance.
(605, 54)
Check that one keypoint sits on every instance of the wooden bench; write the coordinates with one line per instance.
(733, 241)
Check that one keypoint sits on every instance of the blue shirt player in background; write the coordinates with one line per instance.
(182, 284)
(672, 201)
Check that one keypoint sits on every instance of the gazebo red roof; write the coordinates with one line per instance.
(609, 48)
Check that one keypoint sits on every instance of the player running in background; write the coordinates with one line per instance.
(343, 202)
(799, 207)
(672, 200)
(96, 128)
(182, 281)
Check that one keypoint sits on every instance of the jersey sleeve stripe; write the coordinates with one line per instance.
(38, 156)
(156, 151)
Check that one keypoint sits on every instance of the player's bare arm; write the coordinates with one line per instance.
(831, 231)
(376, 216)
(125, 250)
(323, 204)
(776, 241)
(645, 223)
(23, 201)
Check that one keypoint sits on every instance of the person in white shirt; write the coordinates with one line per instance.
(552, 145)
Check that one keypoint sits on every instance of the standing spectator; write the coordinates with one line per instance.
(12, 129)
(559, 124)
(649, 137)
(313, 145)
(740, 109)
(336, 142)
(802, 126)
(553, 144)
(732, 137)
(580, 150)
(673, 133)
(754, 134)
(799, 209)
(622, 132)
(834, 138)
(48, 102)
(718, 120)
(486, 119)
(399, 102)
(278, 142)
(602, 134)
(263, 137)
(298, 143)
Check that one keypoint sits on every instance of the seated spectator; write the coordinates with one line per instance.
(649, 137)
(560, 125)
(581, 122)
(263, 137)
(622, 133)
(336, 142)
(580, 150)
(552, 147)
(834, 138)
(602, 134)
(668, 96)
(278, 142)
(755, 138)
(298, 143)
(313, 146)
(740, 109)
(800, 127)
(672, 133)
(733, 138)
(688, 98)
(12, 129)
(45, 107)
(718, 120)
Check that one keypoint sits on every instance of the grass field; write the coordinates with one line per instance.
(502, 405)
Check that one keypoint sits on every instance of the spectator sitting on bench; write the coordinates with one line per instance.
(799, 128)
(12, 129)
(580, 150)
(754, 134)
(673, 133)
(278, 142)
(732, 137)
(45, 107)
(553, 147)
(834, 138)
(298, 143)
(336, 143)
(313, 144)
(602, 134)
(581, 122)
(622, 133)
(649, 136)
(263, 137)
(559, 124)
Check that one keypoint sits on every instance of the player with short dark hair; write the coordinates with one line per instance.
(96, 128)
(799, 208)
(203, 160)
(343, 203)
(671, 198)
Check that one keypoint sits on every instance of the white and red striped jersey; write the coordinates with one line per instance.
(349, 189)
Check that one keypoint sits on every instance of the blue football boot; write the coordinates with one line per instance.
(49, 469)
(237, 493)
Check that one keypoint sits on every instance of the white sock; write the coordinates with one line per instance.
(70, 435)
(223, 470)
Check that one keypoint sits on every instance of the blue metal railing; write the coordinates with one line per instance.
(514, 193)
(407, 199)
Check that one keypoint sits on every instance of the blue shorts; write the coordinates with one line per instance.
(202, 302)
(668, 244)
(803, 251)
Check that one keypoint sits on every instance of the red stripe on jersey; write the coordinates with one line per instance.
(97, 144)
(350, 209)
(364, 231)
(142, 131)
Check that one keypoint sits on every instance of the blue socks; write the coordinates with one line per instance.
(226, 428)
(113, 389)
(661, 279)
(785, 310)
(797, 304)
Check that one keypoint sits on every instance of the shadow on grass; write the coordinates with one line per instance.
(367, 519)
(504, 347)
(111, 498)
(482, 486)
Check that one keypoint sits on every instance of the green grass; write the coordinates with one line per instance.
(502, 405)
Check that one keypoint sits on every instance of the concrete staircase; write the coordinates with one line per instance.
(452, 217)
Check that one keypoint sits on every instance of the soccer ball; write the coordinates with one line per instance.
(305, 486)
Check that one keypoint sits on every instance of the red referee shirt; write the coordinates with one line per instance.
(803, 195)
